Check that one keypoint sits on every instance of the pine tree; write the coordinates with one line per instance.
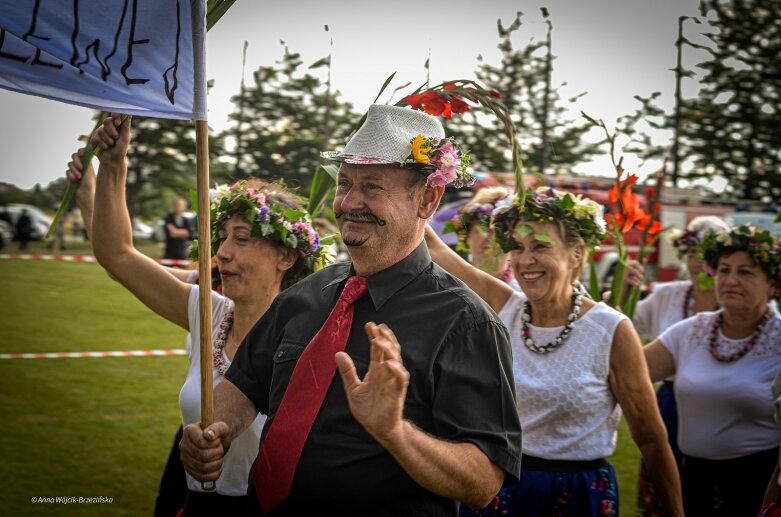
(734, 126)
(283, 122)
(550, 140)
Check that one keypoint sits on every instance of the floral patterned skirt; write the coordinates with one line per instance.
(544, 493)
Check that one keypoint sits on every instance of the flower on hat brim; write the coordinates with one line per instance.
(448, 161)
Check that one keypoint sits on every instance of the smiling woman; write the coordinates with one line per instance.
(724, 362)
(574, 362)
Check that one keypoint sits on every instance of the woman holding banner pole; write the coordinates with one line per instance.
(263, 242)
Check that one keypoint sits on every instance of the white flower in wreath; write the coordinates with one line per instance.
(599, 217)
(724, 238)
(504, 205)
(220, 193)
(674, 235)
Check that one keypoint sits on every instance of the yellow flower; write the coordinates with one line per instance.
(420, 150)
(584, 208)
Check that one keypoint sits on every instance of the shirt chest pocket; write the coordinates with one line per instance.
(285, 360)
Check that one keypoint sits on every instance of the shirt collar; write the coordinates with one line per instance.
(384, 284)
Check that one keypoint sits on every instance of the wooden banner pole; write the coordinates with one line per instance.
(204, 277)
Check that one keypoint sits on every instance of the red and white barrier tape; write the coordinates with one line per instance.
(81, 258)
(74, 355)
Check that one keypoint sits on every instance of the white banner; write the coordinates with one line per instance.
(141, 57)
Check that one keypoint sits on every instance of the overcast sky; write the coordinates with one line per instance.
(613, 49)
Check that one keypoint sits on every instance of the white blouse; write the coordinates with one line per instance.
(725, 410)
(661, 309)
(244, 448)
(565, 405)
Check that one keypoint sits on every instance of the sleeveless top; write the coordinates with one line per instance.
(565, 405)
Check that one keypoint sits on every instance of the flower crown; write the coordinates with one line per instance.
(477, 211)
(289, 227)
(445, 156)
(684, 241)
(761, 245)
(546, 205)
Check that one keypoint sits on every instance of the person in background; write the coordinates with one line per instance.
(59, 235)
(472, 225)
(179, 231)
(259, 251)
(23, 230)
(576, 363)
(667, 304)
(724, 362)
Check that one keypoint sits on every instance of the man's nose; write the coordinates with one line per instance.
(352, 200)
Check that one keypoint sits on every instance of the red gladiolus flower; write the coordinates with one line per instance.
(435, 103)
(614, 193)
(458, 106)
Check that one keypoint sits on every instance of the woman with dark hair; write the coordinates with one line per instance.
(263, 242)
(724, 362)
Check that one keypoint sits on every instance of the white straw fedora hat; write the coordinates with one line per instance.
(406, 138)
(385, 136)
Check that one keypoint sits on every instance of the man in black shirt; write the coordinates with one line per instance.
(421, 416)
(179, 231)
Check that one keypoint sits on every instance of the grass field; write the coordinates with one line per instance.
(102, 427)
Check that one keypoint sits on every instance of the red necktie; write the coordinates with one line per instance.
(312, 375)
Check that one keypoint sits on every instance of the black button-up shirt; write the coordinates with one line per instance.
(461, 385)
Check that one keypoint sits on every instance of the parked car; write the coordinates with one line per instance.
(41, 221)
(6, 234)
(142, 230)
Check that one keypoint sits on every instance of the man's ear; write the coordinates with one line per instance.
(428, 202)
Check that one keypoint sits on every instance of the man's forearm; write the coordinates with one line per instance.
(233, 407)
(459, 471)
